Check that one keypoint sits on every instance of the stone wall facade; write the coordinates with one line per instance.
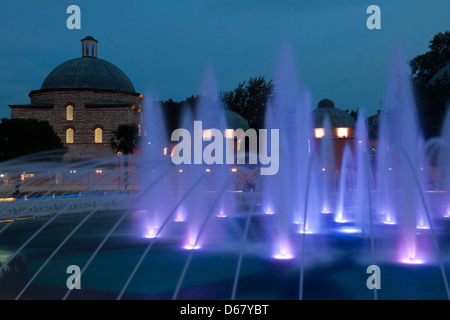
(92, 108)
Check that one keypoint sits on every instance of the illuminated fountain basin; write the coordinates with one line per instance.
(200, 232)
(335, 262)
(334, 256)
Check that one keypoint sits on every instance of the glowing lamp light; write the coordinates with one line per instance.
(301, 231)
(180, 171)
(234, 170)
(412, 261)
(229, 133)
(325, 209)
(221, 215)
(342, 132)
(165, 151)
(179, 219)
(191, 247)
(388, 220)
(323, 169)
(283, 256)
(319, 132)
(269, 211)
(349, 230)
(208, 170)
(151, 233)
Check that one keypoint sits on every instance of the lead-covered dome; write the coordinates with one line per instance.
(88, 72)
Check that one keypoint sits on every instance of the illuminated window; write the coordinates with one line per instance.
(98, 135)
(319, 132)
(69, 135)
(342, 132)
(69, 113)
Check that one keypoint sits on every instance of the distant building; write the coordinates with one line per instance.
(373, 127)
(84, 99)
(341, 124)
(334, 123)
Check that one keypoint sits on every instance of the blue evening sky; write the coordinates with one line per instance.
(164, 46)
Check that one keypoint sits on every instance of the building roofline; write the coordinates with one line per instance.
(33, 92)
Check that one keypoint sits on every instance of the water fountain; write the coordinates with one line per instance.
(191, 231)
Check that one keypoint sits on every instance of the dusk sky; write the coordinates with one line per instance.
(165, 46)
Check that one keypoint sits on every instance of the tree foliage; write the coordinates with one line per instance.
(432, 97)
(125, 139)
(425, 66)
(353, 113)
(249, 99)
(20, 137)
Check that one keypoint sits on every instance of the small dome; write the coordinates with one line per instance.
(325, 103)
(235, 121)
(89, 73)
(338, 118)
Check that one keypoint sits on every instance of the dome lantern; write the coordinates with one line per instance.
(89, 47)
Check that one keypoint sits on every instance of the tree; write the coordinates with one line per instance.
(425, 66)
(125, 140)
(249, 100)
(353, 113)
(432, 96)
(172, 114)
(20, 137)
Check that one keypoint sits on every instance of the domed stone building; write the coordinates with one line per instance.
(84, 99)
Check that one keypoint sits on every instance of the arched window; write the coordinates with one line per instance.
(69, 113)
(69, 135)
(98, 135)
